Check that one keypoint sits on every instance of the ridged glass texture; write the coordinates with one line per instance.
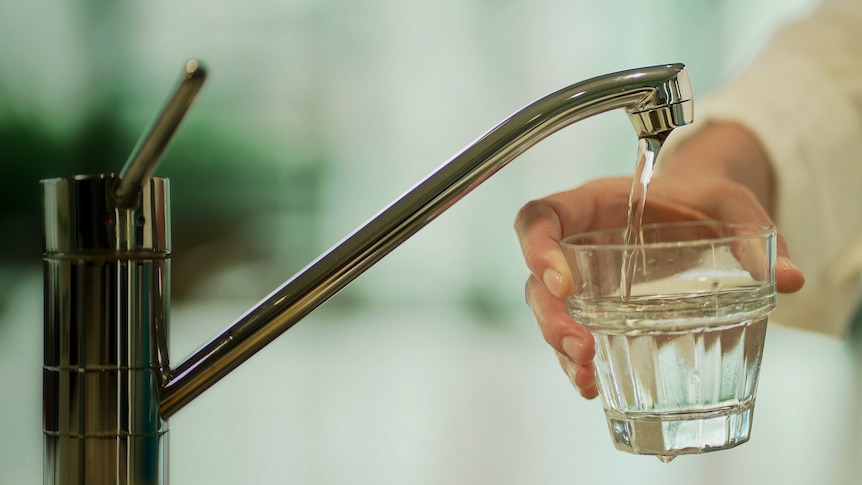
(677, 362)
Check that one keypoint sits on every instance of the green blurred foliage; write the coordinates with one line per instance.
(219, 182)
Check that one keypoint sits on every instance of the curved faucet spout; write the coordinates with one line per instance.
(657, 99)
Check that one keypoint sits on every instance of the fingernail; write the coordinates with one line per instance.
(574, 348)
(554, 282)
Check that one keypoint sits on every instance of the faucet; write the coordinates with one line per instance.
(109, 388)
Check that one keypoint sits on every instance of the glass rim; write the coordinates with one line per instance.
(758, 230)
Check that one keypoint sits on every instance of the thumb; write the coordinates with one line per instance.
(788, 277)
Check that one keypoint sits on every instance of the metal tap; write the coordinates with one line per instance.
(108, 386)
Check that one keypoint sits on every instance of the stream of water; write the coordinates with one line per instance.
(648, 149)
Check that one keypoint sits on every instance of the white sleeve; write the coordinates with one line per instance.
(802, 98)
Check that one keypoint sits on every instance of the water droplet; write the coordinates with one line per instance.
(666, 458)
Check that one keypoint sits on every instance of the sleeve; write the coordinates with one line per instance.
(802, 98)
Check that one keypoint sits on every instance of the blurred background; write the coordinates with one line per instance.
(316, 114)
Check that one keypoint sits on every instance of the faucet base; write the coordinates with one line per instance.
(107, 272)
(120, 460)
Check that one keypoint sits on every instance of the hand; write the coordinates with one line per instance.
(676, 195)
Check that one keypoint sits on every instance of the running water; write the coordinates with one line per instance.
(648, 149)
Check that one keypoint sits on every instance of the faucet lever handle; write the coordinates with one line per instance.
(148, 152)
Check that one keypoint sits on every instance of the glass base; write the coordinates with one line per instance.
(672, 434)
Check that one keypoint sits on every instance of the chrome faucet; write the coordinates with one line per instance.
(108, 386)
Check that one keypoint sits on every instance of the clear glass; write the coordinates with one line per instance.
(676, 362)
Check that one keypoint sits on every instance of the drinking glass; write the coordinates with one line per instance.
(679, 321)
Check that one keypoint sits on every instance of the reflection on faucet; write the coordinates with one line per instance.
(109, 389)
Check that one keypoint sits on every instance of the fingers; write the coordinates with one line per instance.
(788, 277)
(582, 376)
(572, 342)
(541, 224)
(558, 328)
(602, 204)
(539, 232)
(724, 200)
